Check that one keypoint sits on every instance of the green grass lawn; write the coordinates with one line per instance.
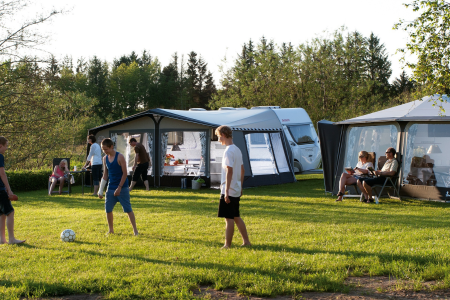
(302, 241)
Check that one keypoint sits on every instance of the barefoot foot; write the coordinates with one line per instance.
(16, 241)
(225, 247)
(246, 244)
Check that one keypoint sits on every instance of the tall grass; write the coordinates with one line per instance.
(302, 241)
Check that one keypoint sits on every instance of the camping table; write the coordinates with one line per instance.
(83, 172)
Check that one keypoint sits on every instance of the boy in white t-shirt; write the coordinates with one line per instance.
(231, 187)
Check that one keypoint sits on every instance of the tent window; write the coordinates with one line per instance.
(192, 149)
(122, 146)
(260, 153)
(175, 137)
(302, 134)
(426, 161)
(280, 155)
(371, 139)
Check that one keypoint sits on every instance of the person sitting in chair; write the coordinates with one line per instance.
(361, 170)
(389, 169)
(59, 173)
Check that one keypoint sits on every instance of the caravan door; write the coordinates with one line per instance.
(304, 144)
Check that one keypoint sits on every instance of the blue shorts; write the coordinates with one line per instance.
(123, 198)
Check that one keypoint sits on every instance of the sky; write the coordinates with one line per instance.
(213, 29)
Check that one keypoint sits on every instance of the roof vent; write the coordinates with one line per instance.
(197, 109)
(266, 107)
(227, 108)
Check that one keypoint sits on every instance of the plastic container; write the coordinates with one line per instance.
(196, 185)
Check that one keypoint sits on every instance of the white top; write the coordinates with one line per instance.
(362, 166)
(232, 157)
(95, 155)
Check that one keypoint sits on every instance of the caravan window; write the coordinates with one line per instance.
(425, 161)
(371, 139)
(175, 137)
(302, 134)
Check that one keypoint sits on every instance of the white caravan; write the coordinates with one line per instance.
(301, 135)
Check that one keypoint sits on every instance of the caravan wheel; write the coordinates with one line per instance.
(297, 167)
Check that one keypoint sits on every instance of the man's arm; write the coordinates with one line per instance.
(123, 165)
(228, 183)
(105, 171)
(242, 178)
(136, 159)
(5, 181)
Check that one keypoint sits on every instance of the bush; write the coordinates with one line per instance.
(31, 180)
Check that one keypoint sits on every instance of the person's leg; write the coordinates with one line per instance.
(61, 184)
(368, 189)
(243, 230)
(229, 231)
(2, 229)
(52, 185)
(342, 182)
(133, 222)
(10, 225)
(133, 183)
(110, 219)
(96, 171)
(110, 202)
(361, 188)
(144, 170)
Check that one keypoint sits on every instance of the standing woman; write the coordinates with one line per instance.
(58, 175)
(95, 160)
(361, 170)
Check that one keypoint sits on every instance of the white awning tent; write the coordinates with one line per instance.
(156, 122)
(413, 129)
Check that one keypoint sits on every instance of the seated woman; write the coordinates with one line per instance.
(58, 174)
(361, 170)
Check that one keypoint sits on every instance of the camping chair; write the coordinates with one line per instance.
(371, 158)
(391, 181)
(56, 161)
(197, 169)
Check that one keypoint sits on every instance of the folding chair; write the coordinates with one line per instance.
(56, 162)
(371, 158)
(390, 181)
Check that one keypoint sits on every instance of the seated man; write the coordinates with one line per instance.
(389, 169)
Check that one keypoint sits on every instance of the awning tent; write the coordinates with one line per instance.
(419, 130)
(270, 154)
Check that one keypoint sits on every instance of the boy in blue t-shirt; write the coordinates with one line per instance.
(6, 209)
(115, 174)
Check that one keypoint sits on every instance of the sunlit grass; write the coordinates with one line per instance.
(302, 241)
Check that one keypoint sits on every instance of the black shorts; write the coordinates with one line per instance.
(96, 174)
(141, 170)
(374, 181)
(5, 204)
(229, 210)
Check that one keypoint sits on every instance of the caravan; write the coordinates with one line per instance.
(301, 134)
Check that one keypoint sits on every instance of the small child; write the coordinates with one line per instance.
(115, 173)
(6, 209)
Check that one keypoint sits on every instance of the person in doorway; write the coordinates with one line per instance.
(231, 187)
(95, 160)
(115, 174)
(389, 169)
(6, 209)
(141, 164)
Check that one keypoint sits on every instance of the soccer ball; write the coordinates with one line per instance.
(68, 235)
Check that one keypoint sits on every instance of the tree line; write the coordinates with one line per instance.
(336, 77)
(133, 83)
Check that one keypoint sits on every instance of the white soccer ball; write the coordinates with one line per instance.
(68, 235)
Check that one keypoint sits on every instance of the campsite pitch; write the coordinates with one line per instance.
(302, 242)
